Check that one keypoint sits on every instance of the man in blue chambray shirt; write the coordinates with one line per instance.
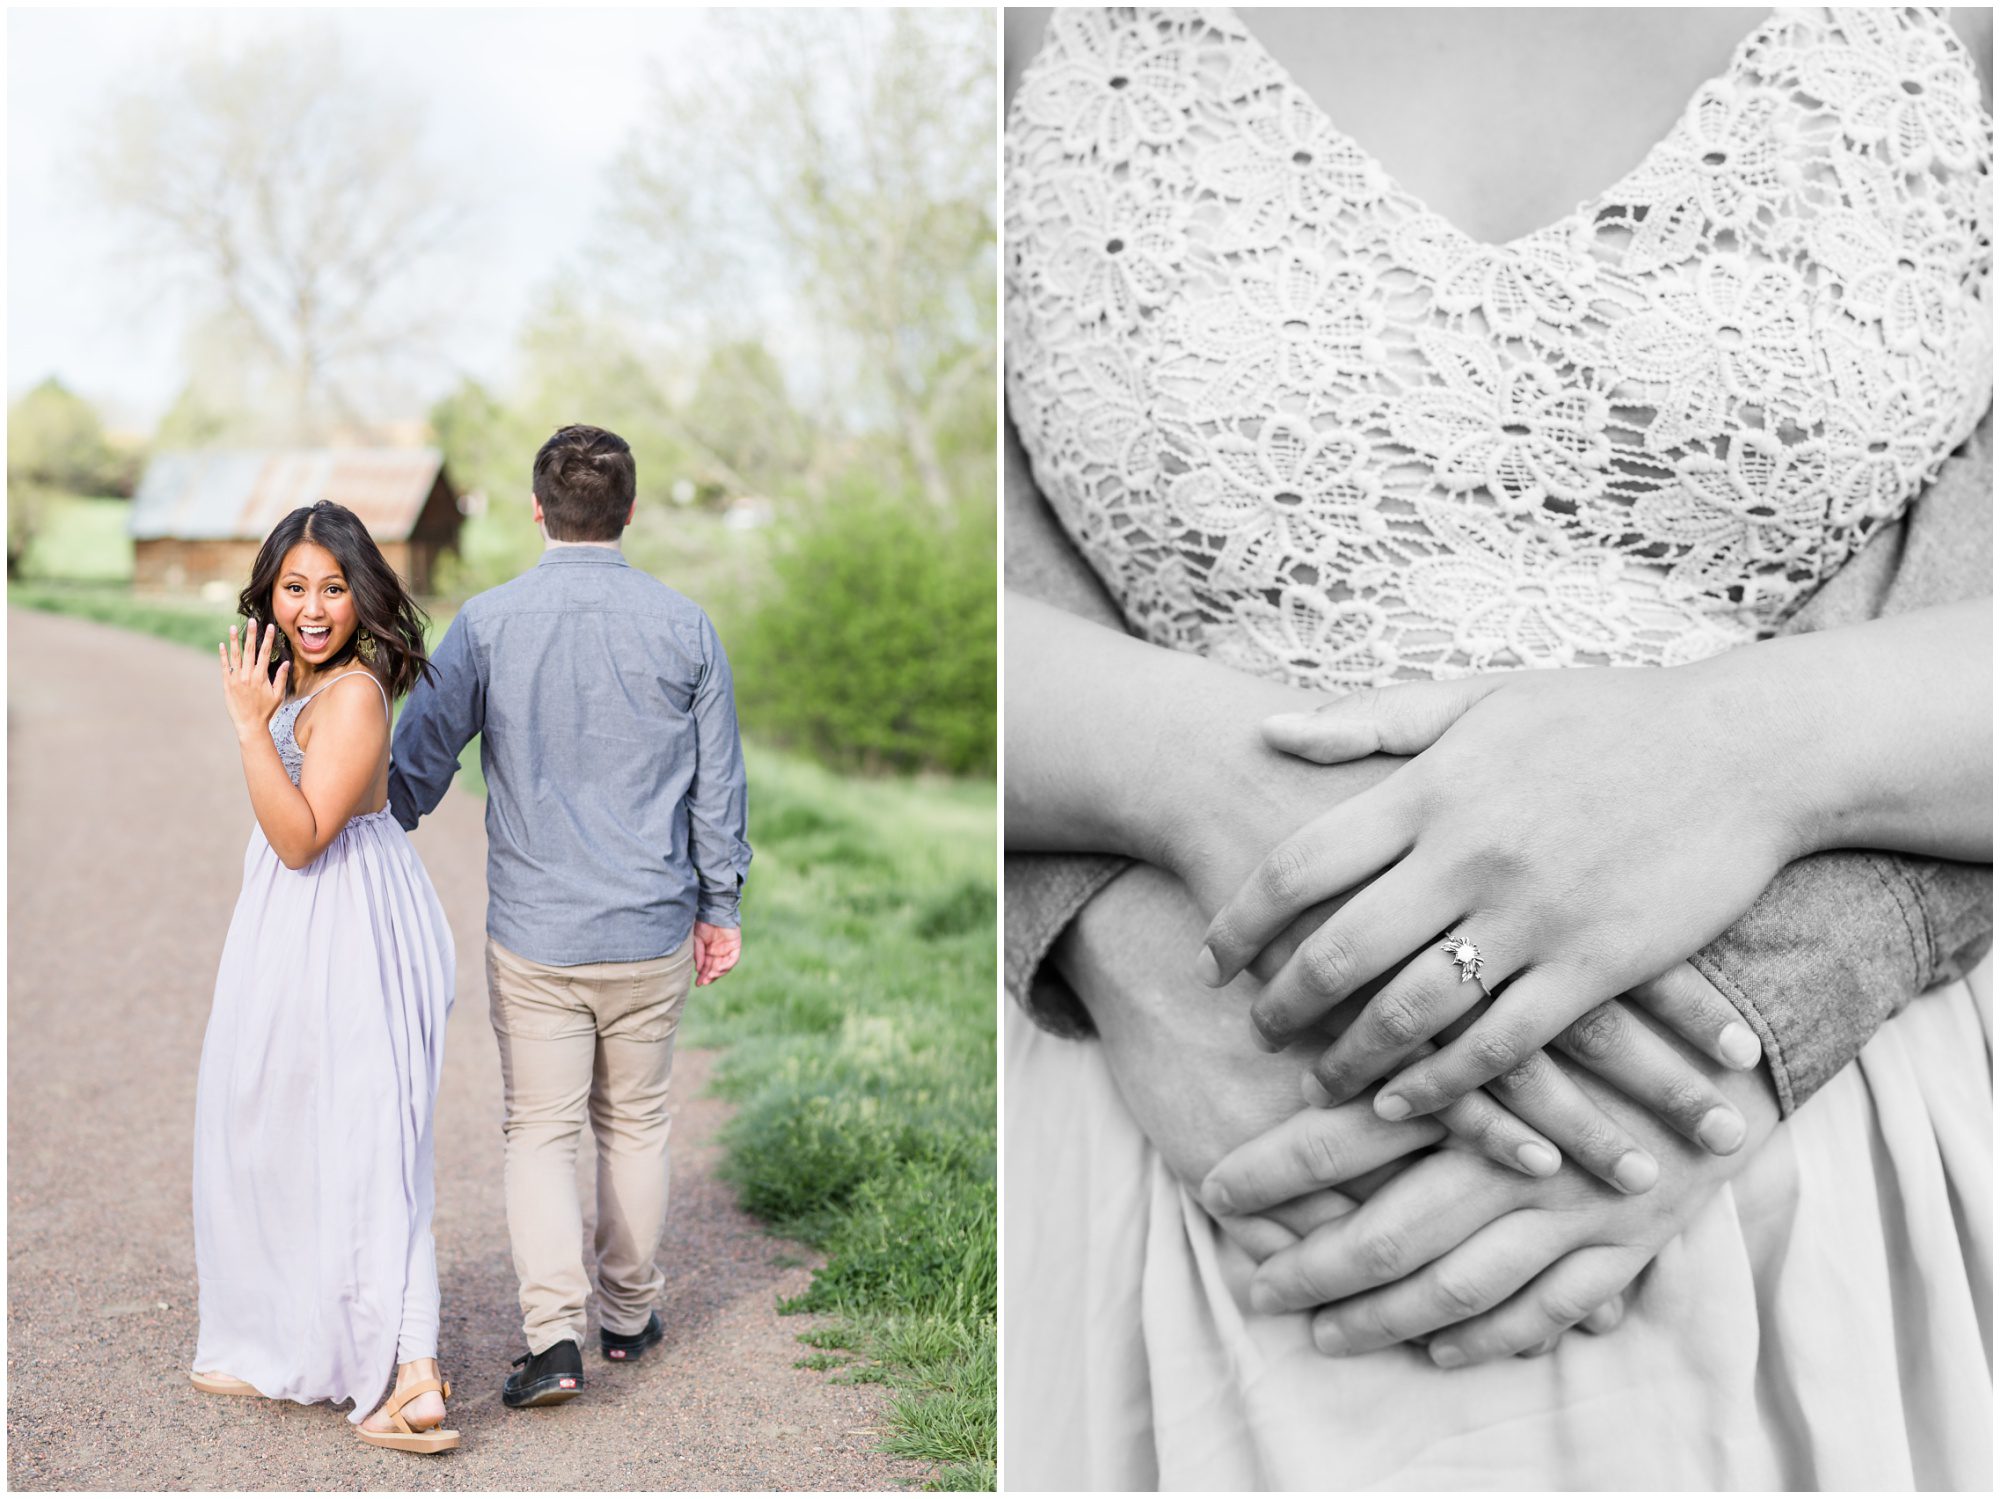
(615, 830)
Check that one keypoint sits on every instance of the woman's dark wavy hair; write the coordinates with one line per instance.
(383, 608)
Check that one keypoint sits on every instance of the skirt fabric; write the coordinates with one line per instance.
(313, 1122)
(1825, 1322)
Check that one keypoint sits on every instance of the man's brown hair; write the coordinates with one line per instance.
(585, 479)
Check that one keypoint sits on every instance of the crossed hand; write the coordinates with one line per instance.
(1585, 831)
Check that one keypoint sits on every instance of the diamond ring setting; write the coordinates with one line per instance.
(1466, 955)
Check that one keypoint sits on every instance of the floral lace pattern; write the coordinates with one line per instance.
(1300, 423)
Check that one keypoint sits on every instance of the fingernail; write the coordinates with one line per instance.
(1391, 1106)
(1721, 1130)
(1215, 1197)
(1315, 1092)
(1739, 1045)
(1636, 1171)
(1262, 1297)
(1447, 1357)
(1538, 1160)
(1208, 970)
(1331, 1341)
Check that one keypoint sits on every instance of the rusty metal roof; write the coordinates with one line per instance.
(220, 495)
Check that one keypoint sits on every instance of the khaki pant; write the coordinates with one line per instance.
(595, 1038)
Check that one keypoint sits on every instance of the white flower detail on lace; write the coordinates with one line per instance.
(1288, 493)
(1519, 432)
(1316, 640)
(1764, 503)
(1288, 163)
(1897, 273)
(1539, 607)
(1882, 449)
(1293, 327)
(1116, 431)
(1114, 90)
(1120, 253)
(1738, 334)
(1518, 289)
(1901, 91)
(1298, 421)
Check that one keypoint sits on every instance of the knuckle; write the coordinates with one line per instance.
(1372, 1314)
(1320, 1157)
(1326, 961)
(1285, 876)
(1526, 1079)
(1383, 1254)
(1597, 1035)
(1686, 1100)
(1398, 1020)
(1596, 1143)
(1457, 1295)
(1496, 1052)
(1488, 1129)
(1563, 1308)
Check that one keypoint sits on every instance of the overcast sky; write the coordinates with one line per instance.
(515, 98)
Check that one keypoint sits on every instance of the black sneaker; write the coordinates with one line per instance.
(550, 1378)
(627, 1347)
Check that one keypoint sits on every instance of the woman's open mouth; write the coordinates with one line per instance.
(314, 640)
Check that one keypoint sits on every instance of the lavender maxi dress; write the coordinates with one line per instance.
(312, 1138)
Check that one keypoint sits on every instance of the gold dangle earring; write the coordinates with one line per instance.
(364, 646)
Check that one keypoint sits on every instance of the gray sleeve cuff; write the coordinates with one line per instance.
(1044, 893)
(716, 909)
(1836, 945)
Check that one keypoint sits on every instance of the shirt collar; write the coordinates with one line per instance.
(603, 556)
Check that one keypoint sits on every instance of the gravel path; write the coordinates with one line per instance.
(126, 825)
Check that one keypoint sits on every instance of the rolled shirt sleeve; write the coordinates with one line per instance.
(443, 713)
(718, 797)
(1841, 941)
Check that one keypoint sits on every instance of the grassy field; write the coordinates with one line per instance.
(81, 541)
(860, 1051)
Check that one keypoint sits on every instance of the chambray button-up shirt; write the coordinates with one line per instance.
(615, 807)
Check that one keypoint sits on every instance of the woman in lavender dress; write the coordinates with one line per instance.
(319, 1073)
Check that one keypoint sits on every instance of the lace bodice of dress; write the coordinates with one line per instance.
(1300, 423)
(284, 722)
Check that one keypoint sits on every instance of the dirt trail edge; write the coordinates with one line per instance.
(126, 830)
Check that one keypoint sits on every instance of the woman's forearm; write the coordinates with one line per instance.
(281, 808)
(1116, 746)
(1882, 732)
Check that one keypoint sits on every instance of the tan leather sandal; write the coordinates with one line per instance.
(407, 1438)
(222, 1384)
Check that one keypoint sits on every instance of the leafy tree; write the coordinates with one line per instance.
(55, 438)
(282, 183)
(55, 446)
(849, 162)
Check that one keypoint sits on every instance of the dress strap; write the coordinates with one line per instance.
(359, 671)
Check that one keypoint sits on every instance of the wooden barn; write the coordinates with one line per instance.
(199, 517)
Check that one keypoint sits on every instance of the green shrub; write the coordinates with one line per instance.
(873, 647)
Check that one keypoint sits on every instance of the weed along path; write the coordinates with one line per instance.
(127, 818)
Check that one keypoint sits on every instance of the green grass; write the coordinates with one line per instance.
(81, 540)
(860, 1052)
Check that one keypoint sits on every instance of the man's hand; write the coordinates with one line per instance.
(716, 949)
(1504, 1261)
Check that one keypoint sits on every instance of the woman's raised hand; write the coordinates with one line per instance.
(1583, 830)
(250, 690)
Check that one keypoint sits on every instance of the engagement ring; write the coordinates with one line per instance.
(1466, 955)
